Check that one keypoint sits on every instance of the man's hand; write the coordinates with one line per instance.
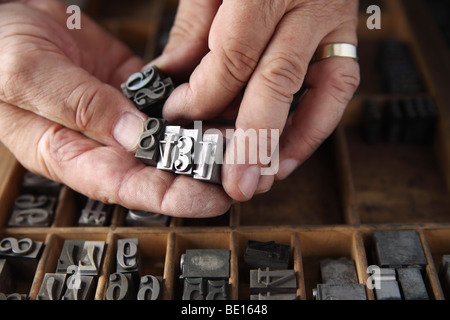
(265, 47)
(63, 115)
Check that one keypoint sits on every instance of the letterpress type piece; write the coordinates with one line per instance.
(187, 146)
(32, 211)
(128, 258)
(22, 255)
(386, 285)
(80, 287)
(91, 258)
(95, 213)
(274, 296)
(144, 218)
(399, 248)
(53, 286)
(340, 292)
(210, 156)
(70, 255)
(206, 263)
(412, 284)
(13, 296)
(338, 271)
(373, 122)
(274, 281)
(6, 277)
(120, 287)
(149, 288)
(148, 148)
(168, 150)
(193, 289)
(266, 255)
(217, 290)
(38, 185)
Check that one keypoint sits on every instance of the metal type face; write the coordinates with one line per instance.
(148, 147)
(120, 287)
(341, 292)
(274, 281)
(412, 284)
(24, 248)
(70, 255)
(207, 263)
(338, 271)
(193, 289)
(149, 288)
(13, 296)
(168, 148)
(80, 288)
(52, 287)
(399, 248)
(95, 213)
(266, 255)
(187, 146)
(32, 211)
(217, 290)
(91, 257)
(145, 218)
(127, 255)
(208, 166)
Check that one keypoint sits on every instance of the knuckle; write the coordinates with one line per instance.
(283, 76)
(343, 82)
(82, 101)
(240, 60)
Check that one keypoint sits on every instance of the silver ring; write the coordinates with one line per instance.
(345, 50)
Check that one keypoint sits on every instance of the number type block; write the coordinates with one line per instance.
(95, 213)
(53, 286)
(273, 281)
(266, 255)
(70, 255)
(148, 148)
(206, 263)
(386, 285)
(338, 271)
(340, 292)
(396, 249)
(84, 257)
(22, 255)
(144, 218)
(148, 90)
(210, 156)
(412, 284)
(32, 211)
(149, 288)
(120, 287)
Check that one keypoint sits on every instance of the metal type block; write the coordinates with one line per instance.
(91, 258)
(217, 290)
(70, 255)
(206, 263)
(340, 292)
(338, 271)
(168, 150)
(145, 218)
(412, 284)
(53, 286)
(120, 287)
(210, 157)
(128, 258)
(187, 146)
(193, 289)
(266, 255)
(38, 185)
(13, 296)
(386, 285)
(373, 122)
(80, 287)
(274, 296)
(274, 281)
(148, 148)
(401, 248)
(149, 288)
(32, 211)
(95, 213)
(6, 277)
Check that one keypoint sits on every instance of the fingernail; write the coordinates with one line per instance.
(287, 167)
(128, 130)
(249, 181)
